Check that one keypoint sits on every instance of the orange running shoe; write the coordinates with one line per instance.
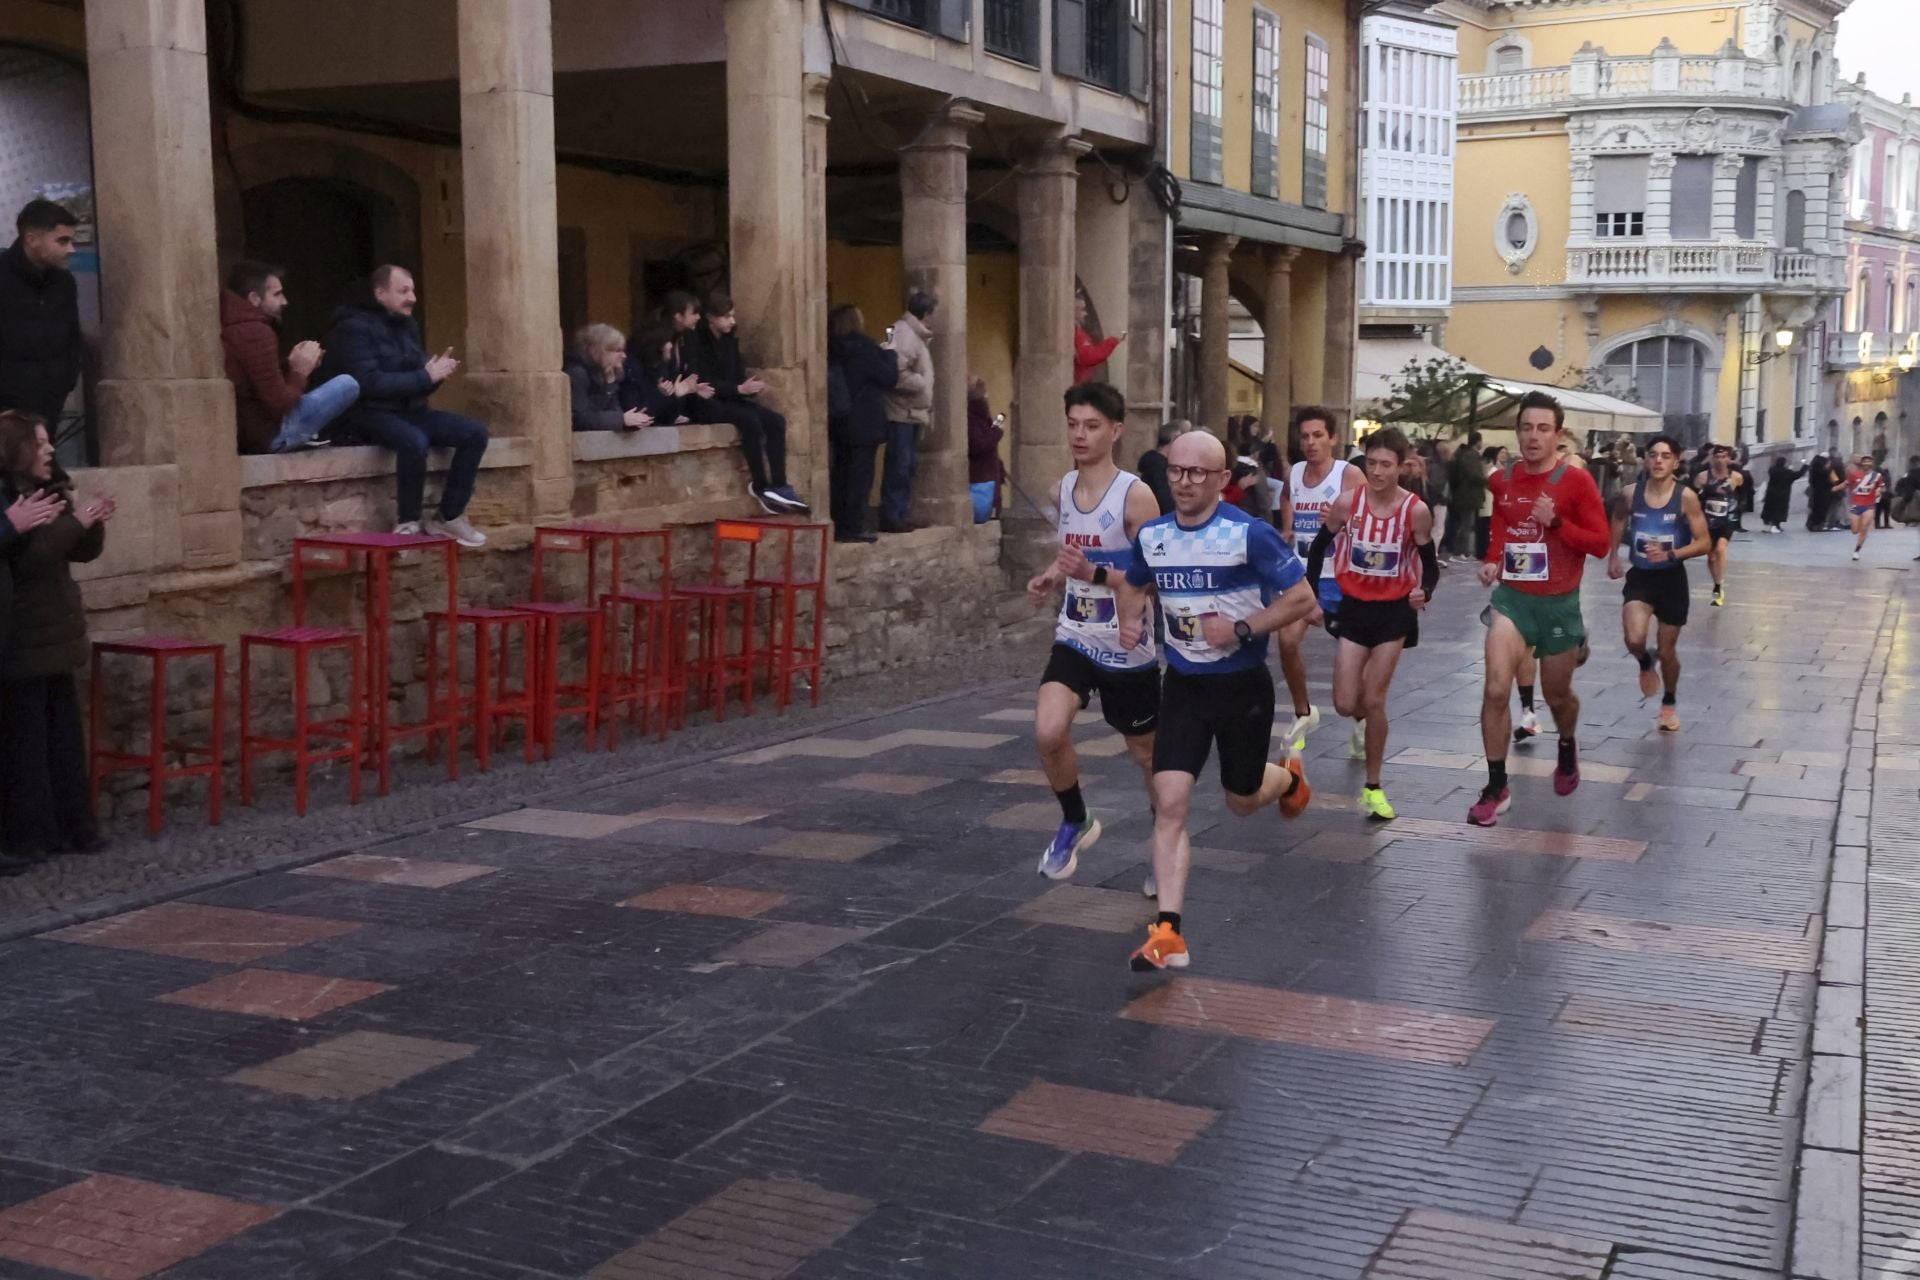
(1163, 949)
(1294, 803)
(1669, 719)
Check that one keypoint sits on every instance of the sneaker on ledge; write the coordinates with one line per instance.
(768, 502)
(458, 528)
(408, 528)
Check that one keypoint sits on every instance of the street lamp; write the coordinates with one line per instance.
(1782, 342)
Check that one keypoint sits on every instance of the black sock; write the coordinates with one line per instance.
(1169, 917)
(1496, 774)
(1072, 807)
(1669, 699)
(1567, 745)
(1642, 657)
(1526, 696)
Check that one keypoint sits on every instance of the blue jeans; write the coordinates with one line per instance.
(896, 482)
(314, 410)
(983, 496)
(410, 435)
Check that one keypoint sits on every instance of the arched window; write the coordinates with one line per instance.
(1908, 316)
(1862, 302)
(1795, 234)
(1816, 92)
(1886, 314)
(1799, 81)
(1510, 55)
(1665, 374)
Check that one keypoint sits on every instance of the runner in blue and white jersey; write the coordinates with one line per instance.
(1225, 582)
(1314, 484)
(1101, 509)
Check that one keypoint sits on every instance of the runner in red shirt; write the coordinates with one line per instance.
(1866, 482)
(1547, 519)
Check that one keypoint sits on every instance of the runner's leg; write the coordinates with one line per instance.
(1054, 709)
(1635, 617)
(1507, 656)
(1293, 667)
(1275, 783)
(1172, 854)
(1669, 663)
(1376, 678)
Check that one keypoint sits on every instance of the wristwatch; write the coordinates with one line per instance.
(1242, 630)
(1099, 575)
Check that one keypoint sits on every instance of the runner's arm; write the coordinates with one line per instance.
(1584, 526)
(1331, 523)
(1429, 554)
(1622, 510)
(1142, 506)
(1130, 592)
(1274, 562)
(1696, 517)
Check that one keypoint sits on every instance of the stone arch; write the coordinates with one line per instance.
(1509, 52)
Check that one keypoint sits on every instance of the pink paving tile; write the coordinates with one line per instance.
(352, 1065)
(109, 1228)
(707, 900)
(190, 931)
(1109, 1124)
(891, 784)
(1319, 1022)
(729, 815)
(415, 873)
(1555, 844)
(1757, 948)
(271, 993)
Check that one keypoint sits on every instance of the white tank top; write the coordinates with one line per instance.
(1309, 504)
(1088, 619)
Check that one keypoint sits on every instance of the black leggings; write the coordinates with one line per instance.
(763, 438)
(851, 480)
(43, 766)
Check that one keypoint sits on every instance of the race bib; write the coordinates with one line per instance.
(1645, 544)
(1090, 610)
(1375, 559)
(1524, 562)
(1184, 630)
(1718, 508)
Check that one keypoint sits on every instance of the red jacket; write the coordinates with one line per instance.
(1580, 527)
(1089, 355)
(264, 389)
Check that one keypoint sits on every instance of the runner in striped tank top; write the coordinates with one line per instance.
(1384, 559)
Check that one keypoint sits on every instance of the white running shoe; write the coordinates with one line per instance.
(1150, 888)
(1296, 735)
(1529, 727)
(1357, 742)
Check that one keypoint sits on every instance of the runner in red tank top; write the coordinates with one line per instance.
(1387, 567)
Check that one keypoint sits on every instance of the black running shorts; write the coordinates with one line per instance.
(1719, 533)
(1371, 623)
(1234, 710)
(1664, 589)
(1129, 700)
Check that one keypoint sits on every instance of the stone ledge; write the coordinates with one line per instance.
(601, 446)
(363, 461)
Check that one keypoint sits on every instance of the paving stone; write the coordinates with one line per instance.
(707, 900)
(788, 946)
(352, 1065)
(272, 993)
(195, 932)
(1627, 1020)
(1326, 1022)
(1019, 778)
(891, 784)
(757, 1229)
(417, 873)
(415, 1185)
(558, 822)
(1738, 946)
(1112, 1124)
(1443, 1246)
(726, 815)
(1039, 815)
(110, 1228)
(1082, 907)
(1556, 844)
(823, 846)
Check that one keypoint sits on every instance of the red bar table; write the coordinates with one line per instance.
(584, 538)
(337, 551)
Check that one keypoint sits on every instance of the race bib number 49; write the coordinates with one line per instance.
(1375, 559)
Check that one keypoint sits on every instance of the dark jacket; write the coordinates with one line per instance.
(384, 354)
(716, 358)
(1468, 474)
(596, 402)
(640, 389)
(264, 389)
(48, 636)
(1153, 469)
(983, 445)
(40, 342)
(870, 371)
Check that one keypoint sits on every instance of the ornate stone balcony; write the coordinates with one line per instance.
(1871, 350)
(1702, 267)
(1596, 78)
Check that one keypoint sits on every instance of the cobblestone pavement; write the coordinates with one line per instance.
(806, 1010)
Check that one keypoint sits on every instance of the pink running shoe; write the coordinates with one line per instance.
(1566, 774)
(1487, 809)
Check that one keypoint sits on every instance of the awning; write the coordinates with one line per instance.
(1586, 410)
(1378, 361)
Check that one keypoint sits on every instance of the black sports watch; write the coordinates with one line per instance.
(1099, 575)
(1242, 630)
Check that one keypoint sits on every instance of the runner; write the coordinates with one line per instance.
(1387, 566)
(1225, 582)
(1547, 519)
(1866, 483)
(1650, 518)
(1101, 509)
(1312, 485)
(1719, 486)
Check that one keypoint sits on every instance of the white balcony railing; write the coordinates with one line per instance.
(1866, 350)
(1736, 265)
(1595, 76)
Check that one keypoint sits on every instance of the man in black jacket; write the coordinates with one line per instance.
(726, 395)
(378, 342)
(40, 342)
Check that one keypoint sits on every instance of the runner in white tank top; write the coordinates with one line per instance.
(1101, 509)
(1307, 501)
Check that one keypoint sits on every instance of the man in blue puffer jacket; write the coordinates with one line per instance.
(378, 342)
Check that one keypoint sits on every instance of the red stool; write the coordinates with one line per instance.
(492, 702)
(158, 650)
(551, 616)
(719, 665)
(787, 576)
(349, 730)
(653, 682)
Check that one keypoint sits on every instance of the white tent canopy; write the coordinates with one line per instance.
(1378, 361)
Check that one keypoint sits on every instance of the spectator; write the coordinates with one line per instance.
(44, 803)
(985, 471)
(40, 342)
(1883, 509)
(859, 374)
(1153, 463)
(1089, 355)
(1247, 489)
(1440, 486)
(1780, 478)
(763, 433)
(272, 408)
(1468, 477)
(377, 341)
(1906, 505)
(651, 382)
(909, 408)
(596, 370)
(1819, 492)
(1494, 458)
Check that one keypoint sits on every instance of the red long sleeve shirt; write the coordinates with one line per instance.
(1089, 355)
(1581, 528)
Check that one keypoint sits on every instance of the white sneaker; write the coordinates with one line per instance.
(1856, 555)
(1150, 888)
(1296, 735)
(1529, 727)
(1357, 743)
(457, 528)
(409, 528)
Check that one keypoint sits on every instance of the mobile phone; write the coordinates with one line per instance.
(999, 419)
(889, 334)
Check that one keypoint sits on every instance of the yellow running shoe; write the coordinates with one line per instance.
(1373, 803)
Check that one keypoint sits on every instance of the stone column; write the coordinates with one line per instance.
(163, 393)
(933, 248)
(513, 252)
(1342, 333)
(1043, 370)
(1216, 252)
(1276, 331)
(1726, 192)
(1660, 196)
(771, 214)
(1149, 312)
(814, 309)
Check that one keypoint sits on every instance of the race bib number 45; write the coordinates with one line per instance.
(1524, 562)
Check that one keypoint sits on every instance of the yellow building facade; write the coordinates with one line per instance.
(1648, 203)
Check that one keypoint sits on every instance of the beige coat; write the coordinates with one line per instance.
(911, 399)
